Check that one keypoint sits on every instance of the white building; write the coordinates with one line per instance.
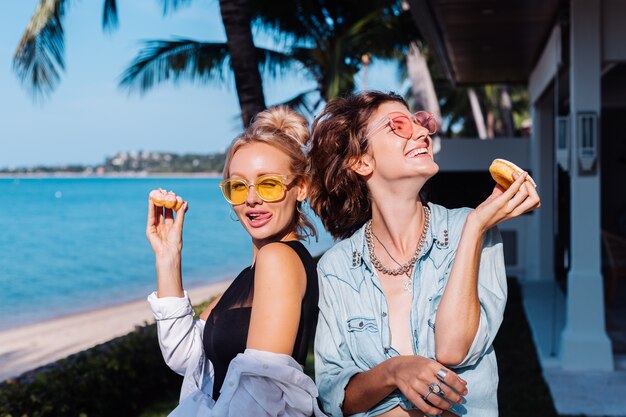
(572, 56)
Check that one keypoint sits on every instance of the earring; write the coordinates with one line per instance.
(231, 216)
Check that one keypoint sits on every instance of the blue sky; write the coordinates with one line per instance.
(88, 117)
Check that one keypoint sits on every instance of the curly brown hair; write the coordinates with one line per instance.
(338, 195)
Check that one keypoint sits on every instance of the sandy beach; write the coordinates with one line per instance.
(29, 347)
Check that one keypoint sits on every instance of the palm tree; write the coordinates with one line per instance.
(39, 58)
(324, 40)
(236, 16)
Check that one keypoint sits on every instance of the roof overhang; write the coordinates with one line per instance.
(486, 41)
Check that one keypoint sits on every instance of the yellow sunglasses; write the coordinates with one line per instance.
(269, 188)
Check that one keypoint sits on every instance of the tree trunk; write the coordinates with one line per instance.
(423, 94)
(478, 113)
(507, 111)
(236, 17)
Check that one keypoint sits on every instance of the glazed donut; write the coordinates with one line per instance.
(502, 172)
(167, 199)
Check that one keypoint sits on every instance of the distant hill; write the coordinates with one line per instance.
(139, 162)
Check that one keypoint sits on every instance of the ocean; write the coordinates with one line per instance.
(69, 245)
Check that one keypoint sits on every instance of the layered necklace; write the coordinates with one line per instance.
(402, 269)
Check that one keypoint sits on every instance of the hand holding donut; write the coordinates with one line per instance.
(163, 231)
(502, 171)
(514, 194)
(167, 199)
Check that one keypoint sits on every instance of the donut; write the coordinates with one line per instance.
(502, 172)
(167, 199)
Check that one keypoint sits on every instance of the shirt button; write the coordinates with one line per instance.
(386, 350)
(384, 314)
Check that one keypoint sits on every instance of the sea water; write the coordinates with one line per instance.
(69, 245)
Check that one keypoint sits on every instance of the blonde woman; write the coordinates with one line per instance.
(270, 310)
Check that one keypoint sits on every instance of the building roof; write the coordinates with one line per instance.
(486, 41)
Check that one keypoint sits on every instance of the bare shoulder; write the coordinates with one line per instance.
(280, 264)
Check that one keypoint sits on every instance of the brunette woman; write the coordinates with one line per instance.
(412, 298)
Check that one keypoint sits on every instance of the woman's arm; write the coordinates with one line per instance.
(459, 313)
(411, 375)
(165, 235)
(347, 389)
(180, 337)
(279, 287)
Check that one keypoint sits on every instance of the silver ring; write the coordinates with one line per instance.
(434, 387)
(441, 374)
(425, 397)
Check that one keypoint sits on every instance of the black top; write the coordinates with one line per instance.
(226, 328)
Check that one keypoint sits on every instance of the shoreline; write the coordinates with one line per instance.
(79, 175)
(31, 346)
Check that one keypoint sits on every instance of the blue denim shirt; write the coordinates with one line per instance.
(353, 332)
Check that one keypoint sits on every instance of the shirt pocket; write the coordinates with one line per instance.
(364, 341)
(362, 324)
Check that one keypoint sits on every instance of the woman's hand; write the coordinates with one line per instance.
(165, 233)
(501, 205)
(419, 379)
(415, 376)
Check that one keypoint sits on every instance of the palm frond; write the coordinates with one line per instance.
(397, 31)
(289, 18)
(275, 63)
(39, 59)
(110, 19)
(163, 60)
(305, 102)
(172, 5)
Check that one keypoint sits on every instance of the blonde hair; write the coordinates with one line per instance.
(287, 131)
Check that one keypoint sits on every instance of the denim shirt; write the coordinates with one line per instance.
(353, 332)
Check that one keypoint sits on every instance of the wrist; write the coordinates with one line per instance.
(168, 259)
(168, 266)
(474, 225)
(390, 371)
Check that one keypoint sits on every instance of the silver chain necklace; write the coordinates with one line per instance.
(402, 269)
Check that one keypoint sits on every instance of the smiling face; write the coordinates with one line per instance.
(392, 157)
(266, 222)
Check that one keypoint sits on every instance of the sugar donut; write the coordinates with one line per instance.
(502, 172)
(167, 199)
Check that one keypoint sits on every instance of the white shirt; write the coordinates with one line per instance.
(257, 383)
